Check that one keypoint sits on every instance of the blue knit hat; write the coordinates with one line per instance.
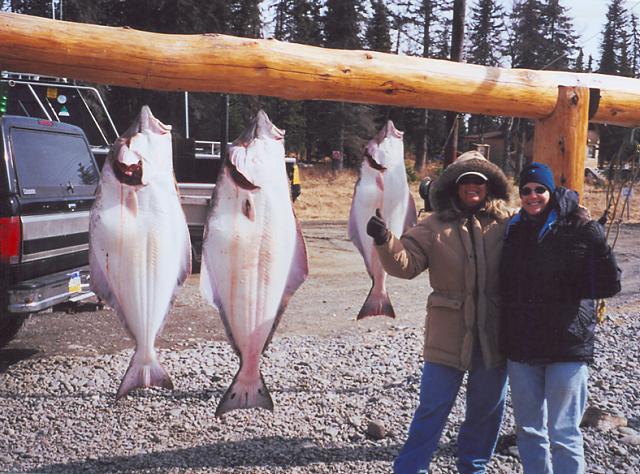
(538, 173)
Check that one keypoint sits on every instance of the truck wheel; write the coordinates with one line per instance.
(10, 324)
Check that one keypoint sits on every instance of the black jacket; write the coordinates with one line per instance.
(550, 272)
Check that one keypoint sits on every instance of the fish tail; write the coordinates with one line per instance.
(141, 374)
(245, 394)
(377, 304)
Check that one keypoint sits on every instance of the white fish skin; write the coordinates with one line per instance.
(139, 245)
(382, 185)
(254, 256)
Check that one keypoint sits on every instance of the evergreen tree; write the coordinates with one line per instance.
(486, 47)
(626, 59)
(32, 7)
(377, 34)
(306, 21)
(559, 37)
(342, 24)
(613, 39)
(635, 46)
(486, 44)
(246, 20)
(580, 67)
(442, 32)
(527, 35)
(345, 127)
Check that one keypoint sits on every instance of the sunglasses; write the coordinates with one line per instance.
(537, 190)
(472, 179)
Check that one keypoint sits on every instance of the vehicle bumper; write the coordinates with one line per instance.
(40, 293)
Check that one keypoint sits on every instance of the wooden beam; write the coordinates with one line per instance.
(219, 63)
(560, 140)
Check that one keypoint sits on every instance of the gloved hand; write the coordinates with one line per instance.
(377, 228)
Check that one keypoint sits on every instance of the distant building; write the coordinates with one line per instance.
(492, 145)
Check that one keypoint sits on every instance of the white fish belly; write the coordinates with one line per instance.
(396, 199)
(142, 259)
(248, 262)
(367, 198)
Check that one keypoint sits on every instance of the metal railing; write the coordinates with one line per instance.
(31, 81)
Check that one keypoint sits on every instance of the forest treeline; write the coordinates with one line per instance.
(533, 34)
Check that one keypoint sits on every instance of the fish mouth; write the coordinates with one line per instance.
(373, 163)
(128, 174)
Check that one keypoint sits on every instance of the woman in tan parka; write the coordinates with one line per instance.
(460, 244)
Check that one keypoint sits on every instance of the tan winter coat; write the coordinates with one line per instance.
(463, 266)
(458, 268)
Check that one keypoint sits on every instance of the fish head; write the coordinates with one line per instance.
(257, 155)
(143, 152)
(386, 149)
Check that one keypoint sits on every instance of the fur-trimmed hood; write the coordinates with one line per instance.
(443, 191)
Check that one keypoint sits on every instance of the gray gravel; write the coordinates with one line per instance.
(331, 394)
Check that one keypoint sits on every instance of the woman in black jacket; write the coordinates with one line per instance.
(555, 261)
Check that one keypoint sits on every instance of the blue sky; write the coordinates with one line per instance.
(589, 19)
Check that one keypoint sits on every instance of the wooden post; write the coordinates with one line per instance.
(560, 140)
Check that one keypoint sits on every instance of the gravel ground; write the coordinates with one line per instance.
(343, 397)
(59, 416)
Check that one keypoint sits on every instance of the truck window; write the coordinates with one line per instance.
(52, 164)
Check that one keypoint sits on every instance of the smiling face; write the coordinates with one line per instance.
(472, 195)
(534, 198)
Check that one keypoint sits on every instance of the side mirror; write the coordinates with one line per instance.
(425, 184)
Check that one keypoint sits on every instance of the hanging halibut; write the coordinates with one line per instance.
(382, 185)
(254, 256)
(139, 242)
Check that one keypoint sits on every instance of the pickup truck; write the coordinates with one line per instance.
(45, 198)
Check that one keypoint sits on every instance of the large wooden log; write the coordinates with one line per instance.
(218, 63)
(560, 140)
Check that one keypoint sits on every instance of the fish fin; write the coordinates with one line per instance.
(245, 395)
(208, 284)
(100, 286)
(377, 304)
(208, 290)
(298, 273)
(99, 282)
(410, 219)
(141, 375)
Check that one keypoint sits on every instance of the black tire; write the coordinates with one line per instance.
(10, 324)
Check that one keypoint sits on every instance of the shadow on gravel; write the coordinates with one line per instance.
(8, 357)
(257, 452)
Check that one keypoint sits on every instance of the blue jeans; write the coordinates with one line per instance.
(548, 403)
(486, 391)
